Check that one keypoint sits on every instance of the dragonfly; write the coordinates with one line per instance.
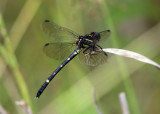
(66, 41)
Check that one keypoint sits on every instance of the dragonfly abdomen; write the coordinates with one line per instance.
(76, 52)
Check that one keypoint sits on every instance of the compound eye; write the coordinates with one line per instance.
(93, 33)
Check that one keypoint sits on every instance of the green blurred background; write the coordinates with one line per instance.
(24, 67)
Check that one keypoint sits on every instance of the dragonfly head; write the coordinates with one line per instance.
(95, 35)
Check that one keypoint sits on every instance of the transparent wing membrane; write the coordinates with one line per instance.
(61, 49)
(58, 33)
(105, 35)
(58, 51)
(92, 58)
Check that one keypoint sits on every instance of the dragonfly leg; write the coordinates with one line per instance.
(102, 50)
(91, 49)
(85, 50)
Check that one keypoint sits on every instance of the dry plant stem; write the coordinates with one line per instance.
(133, 55)
(2, 110)
(24, 106)
(124, 103)
(95, 102)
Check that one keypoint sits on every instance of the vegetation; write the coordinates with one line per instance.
(24, 67)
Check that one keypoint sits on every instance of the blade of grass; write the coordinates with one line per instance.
(17, 31)
(124, 72)
(23, 21)
(10, 58)
(21, 24)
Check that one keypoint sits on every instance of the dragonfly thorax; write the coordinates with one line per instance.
(88, 40)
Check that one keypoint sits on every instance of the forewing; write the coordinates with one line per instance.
(58, 33)
(58, 51)
(93, 59)
(104, 35)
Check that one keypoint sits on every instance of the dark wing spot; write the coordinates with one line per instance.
(108, 31)
(46, 44)
(46, 21)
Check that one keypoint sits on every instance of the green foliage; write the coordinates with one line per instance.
(24, 67)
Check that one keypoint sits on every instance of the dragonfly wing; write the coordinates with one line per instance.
(105, 35)
(92, 58)
(58, 51)
(58, 33)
